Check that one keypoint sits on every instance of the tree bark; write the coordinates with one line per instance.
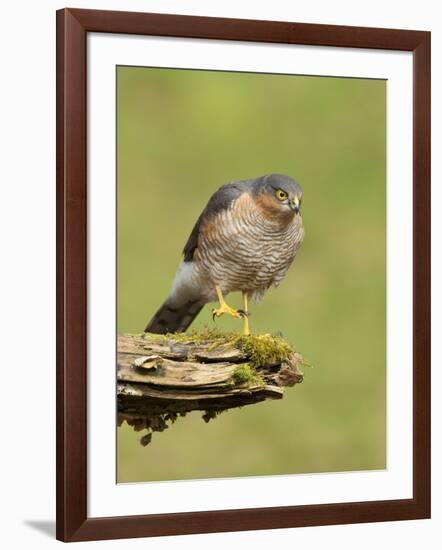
(162, 377)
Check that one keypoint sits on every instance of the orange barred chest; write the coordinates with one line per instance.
(244, 248)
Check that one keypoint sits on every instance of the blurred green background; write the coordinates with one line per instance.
(180, 135)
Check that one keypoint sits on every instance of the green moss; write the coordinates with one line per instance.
(305, 364)
(260, 349)
(246, 374)
(264, 349)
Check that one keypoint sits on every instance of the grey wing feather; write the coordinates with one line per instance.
(220, 200)
(172, 318)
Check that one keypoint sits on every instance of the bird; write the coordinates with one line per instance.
(245, 240)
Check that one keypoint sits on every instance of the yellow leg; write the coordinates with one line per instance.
(224, 308)
(246, 330)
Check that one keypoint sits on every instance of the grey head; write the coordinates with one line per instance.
(283, 196)
(282, 189)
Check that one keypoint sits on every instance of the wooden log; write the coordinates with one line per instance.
(162, 377)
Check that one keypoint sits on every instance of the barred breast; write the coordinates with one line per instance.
(242, 249)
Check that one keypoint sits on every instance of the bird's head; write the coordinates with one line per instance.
(277, 194)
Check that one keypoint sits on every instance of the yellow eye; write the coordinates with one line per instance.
(282, 195)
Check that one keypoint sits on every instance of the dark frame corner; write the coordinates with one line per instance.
(72, 28)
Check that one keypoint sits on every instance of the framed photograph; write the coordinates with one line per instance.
(242, 206)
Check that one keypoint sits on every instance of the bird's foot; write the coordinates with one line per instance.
(224, 308)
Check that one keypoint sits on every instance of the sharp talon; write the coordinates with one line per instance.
(213, 315)
(242, 313)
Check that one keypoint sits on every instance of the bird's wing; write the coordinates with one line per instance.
(220, 200)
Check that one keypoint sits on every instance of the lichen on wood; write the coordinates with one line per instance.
(163, 377)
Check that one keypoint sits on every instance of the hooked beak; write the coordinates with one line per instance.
(295, 205)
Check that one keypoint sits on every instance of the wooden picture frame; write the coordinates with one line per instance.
(73, 523)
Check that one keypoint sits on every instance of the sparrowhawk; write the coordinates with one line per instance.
(244, 240)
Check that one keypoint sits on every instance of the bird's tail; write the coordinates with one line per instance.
(174, 318)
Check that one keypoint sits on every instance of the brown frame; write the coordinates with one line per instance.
(72, 521)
